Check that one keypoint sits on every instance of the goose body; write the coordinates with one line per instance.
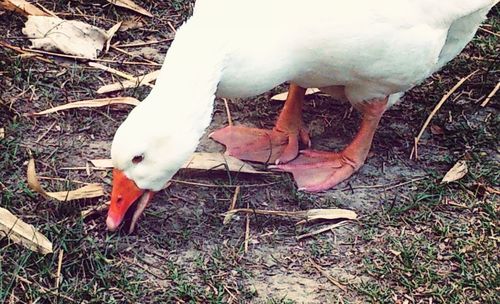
(361, 51)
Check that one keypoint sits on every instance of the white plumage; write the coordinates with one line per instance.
(240, 48)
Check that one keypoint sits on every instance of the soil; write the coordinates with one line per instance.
(184, 222)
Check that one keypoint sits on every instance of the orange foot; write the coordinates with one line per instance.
(316, 171)
(279, 145)
(258, 145)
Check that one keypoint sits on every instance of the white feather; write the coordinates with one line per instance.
(240, 48)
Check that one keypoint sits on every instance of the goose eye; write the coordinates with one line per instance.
(137, 159)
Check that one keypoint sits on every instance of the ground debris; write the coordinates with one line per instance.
(68, 36)
(456, 172)
(94, 103)
(20, 232)
(88, 191)
(303, 215)
(22, 7)
(129, 4)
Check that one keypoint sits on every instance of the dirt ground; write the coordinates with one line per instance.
(416, 241)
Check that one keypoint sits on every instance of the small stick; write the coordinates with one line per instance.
(229, 117)
(62, 179)
(436, 109)
(303, 215)
(229, 292)
(116, 72)
(43, 289)
(235, 197)
(88, 59)
(94, 210)
(23, 52)
(389, 186)
(327, 275)
(85, 168)
(129, 54)
(81, 14)
(219, 186)
(45, 9)
(319, 231)
(137, 44)
(247, 230)
(172, 27)
(46, 132)
(405, 183)
(59, 267)
(489, 32)
(490, 96)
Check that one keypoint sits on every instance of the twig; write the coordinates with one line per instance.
(136, 82)
(130, 54)
(81, 14)
(95, 59)
(171, 27)
(116, 72)
(219, 186)
(490, 96)
(386, 186)
(435, 110)
(43, 289)
(93, 210)
(59, 267)
(137, 44)
(321, 230)
(46, 132)
(247, 230)
(111, 33)
(327, 275)
(85, 168)
(302, 215)
(488, 31)
(24, 52)
(228, 112)
(62, 179)
(45, 9)
(235, 197)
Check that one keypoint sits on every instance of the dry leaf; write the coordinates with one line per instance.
(138, 81)
(456, 172)
(2, 133)
(303, 216)
(219, 161)
(284, 95)
(22, 233)
(22, 7)
(111, 70)
(437, 130)
(148, 53)
(102, 163)
(131, 24)
(95, 209)
(88, 191)
(70, 37)
(94, 103)
(129, 4)
(202, 161)
(111, 32)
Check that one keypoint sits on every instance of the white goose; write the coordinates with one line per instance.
(365, 51)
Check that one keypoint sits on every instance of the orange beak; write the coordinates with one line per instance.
(125, 192)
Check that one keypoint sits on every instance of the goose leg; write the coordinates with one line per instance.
(279, 145)
(320, 170)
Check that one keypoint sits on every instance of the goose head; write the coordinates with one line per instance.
(147, 150)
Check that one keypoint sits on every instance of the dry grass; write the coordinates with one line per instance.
(419, 242)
